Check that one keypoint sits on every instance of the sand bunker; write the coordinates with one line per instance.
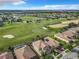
(8, 36)
(44, 28)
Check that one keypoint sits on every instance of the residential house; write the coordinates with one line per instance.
(24, 52)
(51, 42)
(6, 55)
(40, 47)
(74, 29)
(66, 36)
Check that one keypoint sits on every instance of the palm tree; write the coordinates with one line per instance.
(1, 23)
(38, 37)
(19, 20)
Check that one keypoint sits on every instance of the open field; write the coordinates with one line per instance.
(23, 32)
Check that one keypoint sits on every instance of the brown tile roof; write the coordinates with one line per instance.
(65, 35)
(39, 46)
(24, 53)
(74, 29)
(51, 42)
(6, 55)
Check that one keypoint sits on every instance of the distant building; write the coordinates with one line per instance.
(24, 52)
(6, 55)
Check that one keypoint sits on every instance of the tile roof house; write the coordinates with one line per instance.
(74, 29)
(51, 42)
(40, 47)
(66, 36)
(24, 52)
(6, 55)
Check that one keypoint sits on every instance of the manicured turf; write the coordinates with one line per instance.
(25, 31)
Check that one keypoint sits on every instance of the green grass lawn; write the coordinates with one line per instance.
(25, 31)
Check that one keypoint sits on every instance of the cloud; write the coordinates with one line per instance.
(14, 2)
(23, 6)
(18, 3)
(55, 7)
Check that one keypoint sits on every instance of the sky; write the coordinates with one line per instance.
(39, 4)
